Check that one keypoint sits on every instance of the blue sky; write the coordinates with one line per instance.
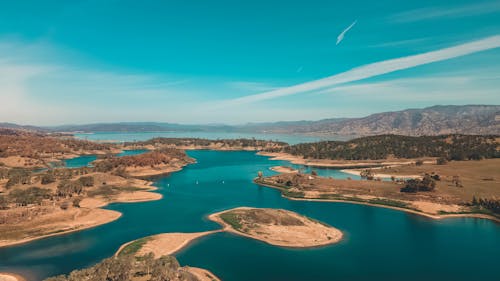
(242, 61)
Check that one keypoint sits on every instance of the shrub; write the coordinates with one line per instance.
(416, 185)
(32, 195)
(87, 181)
(48, 178)
(64, 205)
(441, 161)
(3, 202)
(68, 188)
(76, 202)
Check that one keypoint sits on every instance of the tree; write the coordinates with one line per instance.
(64, 205)
(76, 202)
(87, 181)
(4, 204)
(32, 195)
(416, 185)
(441, 161)
(368, 174)
(48, 178)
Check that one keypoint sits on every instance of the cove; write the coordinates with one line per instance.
(379, 244)
(85, 160)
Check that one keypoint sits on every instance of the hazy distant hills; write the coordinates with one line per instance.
(435, 120)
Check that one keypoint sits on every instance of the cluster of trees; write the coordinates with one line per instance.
(125, 268)
(427, 183)
(153, 158)
(206, 142)
(448, 147)
(67, 188)
(35, 195)
(24, 176)
(367, 174)
(15, 176)
(35, 145)
(490, 204)
(24, 197)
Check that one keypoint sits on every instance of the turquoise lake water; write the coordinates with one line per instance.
(85, 160)
(379, 244)
(142, 136)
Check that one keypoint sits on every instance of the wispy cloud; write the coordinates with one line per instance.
(459, 86)
(447, 12)
(375, 69)
(251, 86)
(342, 34)
(400, 43)
(36, 85)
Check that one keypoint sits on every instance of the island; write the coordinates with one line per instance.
(145, 268)
(277, 227)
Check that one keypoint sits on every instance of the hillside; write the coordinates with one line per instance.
(436, 120)
(451, 147)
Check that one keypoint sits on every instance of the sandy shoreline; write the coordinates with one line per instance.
(166, 243)
(433, 216)
(288, 236)
(11, 277)
(96, 216)
(326, 163)
(380, 175)
(437, 217)
(283, 169)
(202, 274)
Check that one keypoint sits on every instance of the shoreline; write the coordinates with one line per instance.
(334, 164)
(7, 276)
(188, 238)
(215, 217)
(406, 210)
(356, 172)
(98, 207)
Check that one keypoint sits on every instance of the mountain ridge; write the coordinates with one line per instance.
(434, 120)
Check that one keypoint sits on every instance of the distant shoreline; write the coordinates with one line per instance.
(437, 217)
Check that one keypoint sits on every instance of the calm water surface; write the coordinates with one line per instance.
(379, 244)
(142, 136)
(85, 160)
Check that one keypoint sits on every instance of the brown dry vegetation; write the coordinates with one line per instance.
(195, 143)
(152, 163)
(478, 179)
(277, 227)
(29, 149)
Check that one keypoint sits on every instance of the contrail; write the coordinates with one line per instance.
(375, 69)
(341, 35)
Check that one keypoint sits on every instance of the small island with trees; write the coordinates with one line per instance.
(277, 227)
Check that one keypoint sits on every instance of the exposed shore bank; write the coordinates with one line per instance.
(11, 277)
(361, 201)
(277, 227)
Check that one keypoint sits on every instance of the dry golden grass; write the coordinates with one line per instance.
(479, 178)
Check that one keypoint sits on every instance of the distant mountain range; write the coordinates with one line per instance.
(435, 120)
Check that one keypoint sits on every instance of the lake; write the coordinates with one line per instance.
(379, 243)
(142, 136)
